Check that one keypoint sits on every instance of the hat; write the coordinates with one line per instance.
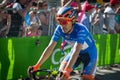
(87, 6)
(114, 1)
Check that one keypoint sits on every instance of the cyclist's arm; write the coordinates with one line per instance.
(47, 52)
(74, 55)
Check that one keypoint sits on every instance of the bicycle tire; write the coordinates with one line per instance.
(75, 77)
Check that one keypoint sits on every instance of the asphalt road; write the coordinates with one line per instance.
(108, 73)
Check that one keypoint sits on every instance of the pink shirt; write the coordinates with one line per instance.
(74, 4)
(29, 34)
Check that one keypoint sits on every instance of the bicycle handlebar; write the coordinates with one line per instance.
(44, 70)
(50, 74)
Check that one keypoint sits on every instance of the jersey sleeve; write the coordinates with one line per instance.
(56, 34)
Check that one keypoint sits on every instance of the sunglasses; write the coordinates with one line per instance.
(63, 21)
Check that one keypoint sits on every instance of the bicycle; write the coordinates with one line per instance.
(50, 75)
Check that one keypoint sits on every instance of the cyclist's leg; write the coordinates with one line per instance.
(65, 61)
(77, 63)
(90, 64)
(62, 66)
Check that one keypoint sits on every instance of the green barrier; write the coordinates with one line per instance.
(108, 48)
(16, 54)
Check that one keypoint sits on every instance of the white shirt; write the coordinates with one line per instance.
(17, 7)
(110, 20)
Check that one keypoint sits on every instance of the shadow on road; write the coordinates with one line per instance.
(108, 73)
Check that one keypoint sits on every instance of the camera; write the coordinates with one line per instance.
(34, 4)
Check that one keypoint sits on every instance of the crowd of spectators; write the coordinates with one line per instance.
(26, 18)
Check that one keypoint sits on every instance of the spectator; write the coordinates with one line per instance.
(105, 31)
(86, 17)
(110, 16)
(33, 30)
(98, 20)
(73, 3)
(117, 18)
(32, 16)
(44, 17)
(20, 8)
(5, 22)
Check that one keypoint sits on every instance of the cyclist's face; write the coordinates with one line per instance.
(63, 21)
(66, 26)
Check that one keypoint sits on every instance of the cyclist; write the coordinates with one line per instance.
(83, 45)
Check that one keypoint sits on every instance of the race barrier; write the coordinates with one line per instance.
(16, 54)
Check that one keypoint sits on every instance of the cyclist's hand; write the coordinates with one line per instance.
(66, 73)
(32, 69)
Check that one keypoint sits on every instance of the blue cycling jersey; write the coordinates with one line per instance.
(88, 54)
(80, 34)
